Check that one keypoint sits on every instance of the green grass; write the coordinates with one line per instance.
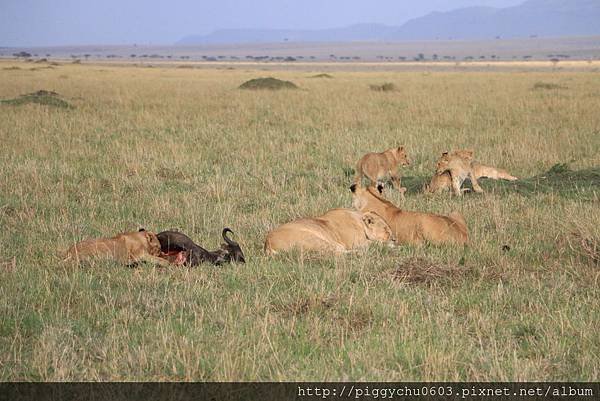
(166, 148)
(559, 180)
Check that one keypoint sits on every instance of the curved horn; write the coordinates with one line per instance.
(229, 241)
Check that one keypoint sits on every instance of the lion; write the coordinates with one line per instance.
(127, 248)
(461, 162)
(338, 230)
(377, 166)
(458, 165)
(482, 171)
(411, 227)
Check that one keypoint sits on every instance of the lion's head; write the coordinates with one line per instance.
(376, 229)
(443, 162)
(401, 156)
(153, 243)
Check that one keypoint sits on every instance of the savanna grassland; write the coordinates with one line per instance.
(183, 148)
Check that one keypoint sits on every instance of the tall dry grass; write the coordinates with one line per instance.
(184, 148)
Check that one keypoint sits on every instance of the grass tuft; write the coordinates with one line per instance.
(547, 85)
(585, 244)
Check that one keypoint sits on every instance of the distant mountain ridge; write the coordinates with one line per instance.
(544, 18)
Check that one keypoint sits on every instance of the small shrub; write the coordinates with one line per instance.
(385, 87)
(547, 85)
(22, 55)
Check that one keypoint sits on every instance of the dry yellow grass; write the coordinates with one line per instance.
(184, 148)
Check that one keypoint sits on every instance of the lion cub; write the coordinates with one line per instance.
(376, 166)
(453, 168)
(126, 248)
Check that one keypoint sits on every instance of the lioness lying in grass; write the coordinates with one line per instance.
(338, 230)
(411, 227)
(126, 248)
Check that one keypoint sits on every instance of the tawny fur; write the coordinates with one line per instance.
(458, 165)
(453, 168)
(377, 166)
(412, 227)
(482, 171)
(126, 248)
(338, 230)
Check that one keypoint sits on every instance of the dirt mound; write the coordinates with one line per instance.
(43, 97)
(268, 83)
(322, 76)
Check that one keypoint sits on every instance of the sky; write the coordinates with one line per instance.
(87, 22)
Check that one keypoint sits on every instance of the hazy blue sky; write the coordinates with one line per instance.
(68, 22)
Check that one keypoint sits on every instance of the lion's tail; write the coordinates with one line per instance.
(358, 173)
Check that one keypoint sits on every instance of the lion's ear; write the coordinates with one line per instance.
(445, 153)
(380, 188)
(141, 230)
(353, 188)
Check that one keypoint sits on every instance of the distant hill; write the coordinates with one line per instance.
(543, 18)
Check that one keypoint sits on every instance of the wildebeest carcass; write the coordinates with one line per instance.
(175, 242)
